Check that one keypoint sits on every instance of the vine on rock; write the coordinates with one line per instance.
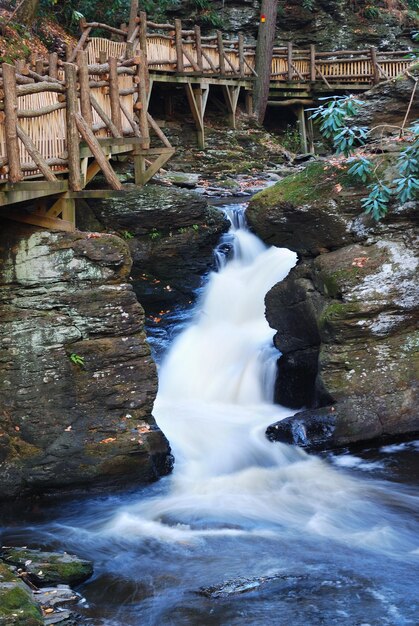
(336, 122)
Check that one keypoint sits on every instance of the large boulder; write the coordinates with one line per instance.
(171, 234)
(77, 382)
(346, 316)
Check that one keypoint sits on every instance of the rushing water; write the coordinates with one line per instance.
(245, 532)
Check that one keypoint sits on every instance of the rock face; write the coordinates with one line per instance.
(330, 24)
(171, 234)
(77, 382)
(346, 315)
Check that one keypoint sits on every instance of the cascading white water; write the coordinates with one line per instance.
(214, 404)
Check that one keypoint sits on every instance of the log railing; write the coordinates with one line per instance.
(170, 48)
(44, 113)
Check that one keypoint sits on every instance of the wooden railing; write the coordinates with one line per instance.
(170, 48)
(49, 109)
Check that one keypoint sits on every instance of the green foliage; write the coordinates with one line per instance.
(126, 234)
(335, 122)
(290, 138)
(206, 14)
(77, 359)
(308, 5)
(154, 234)
(371, 12)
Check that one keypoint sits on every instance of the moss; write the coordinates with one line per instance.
(6, 574)
(18, 608)
(338, 310)
(316, 182)
(333, 281)
(22, 450)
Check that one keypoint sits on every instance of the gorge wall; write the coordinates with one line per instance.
(330, 24)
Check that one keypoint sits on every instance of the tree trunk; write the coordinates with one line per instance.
(264, 48)
(26, 11)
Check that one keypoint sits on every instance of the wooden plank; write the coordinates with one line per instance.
(156, 166)
(132, 18)
(221, 55)
(312, 63)
(289, 62)
(241, 54)
(160, 134)
(100, 157)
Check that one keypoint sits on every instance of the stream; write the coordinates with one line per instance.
(245, 531)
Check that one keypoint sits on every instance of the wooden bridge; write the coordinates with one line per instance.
(61, 122)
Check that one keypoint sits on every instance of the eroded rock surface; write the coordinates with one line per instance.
(346, 315)
(171, 234)
(77, 382)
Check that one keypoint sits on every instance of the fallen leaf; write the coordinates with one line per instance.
(108, 440)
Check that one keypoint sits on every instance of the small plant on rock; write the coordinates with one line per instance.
(76, 359)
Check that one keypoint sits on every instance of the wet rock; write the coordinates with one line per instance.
(171, 234)
(17, 607)
(187, 180)
(346, 316)
(240, 586)
(77, 382)
(48, 568)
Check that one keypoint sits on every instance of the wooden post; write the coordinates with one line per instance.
(249, 102)
(312, 63)
(198, 44)
(85, 105)
(73, 140)
(241, 55)
(374, 66)
(310, 134)
(68, 52)
(289, 61)
(178, 43)
(196, 103)
(114, 94)
(132, 17)
(39, 67)
(143, 33)
(221, 52)
(141, 104)
(10, 110)
(302, 128)
(53, 65)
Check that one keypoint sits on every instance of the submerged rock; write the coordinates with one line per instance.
(77, 382)
(48, 568)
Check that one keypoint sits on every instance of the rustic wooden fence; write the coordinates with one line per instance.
(170, 48)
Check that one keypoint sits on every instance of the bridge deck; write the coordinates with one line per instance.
(62, 122)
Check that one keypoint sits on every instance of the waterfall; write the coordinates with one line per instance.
(214, 404)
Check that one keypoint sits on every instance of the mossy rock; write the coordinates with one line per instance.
(49, 568)
(17, 608)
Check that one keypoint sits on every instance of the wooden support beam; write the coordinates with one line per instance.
(35, 219)
(195, 99)
(36, 155)
(249, 102)
(107, 120)
(231, 97)
(96, 150)
(73, 141)
(72, 54)
(160, 134)
(114, 94)
(85, 104)
(143, 173)
(10, 122)
(302, 128)
(53, 65)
